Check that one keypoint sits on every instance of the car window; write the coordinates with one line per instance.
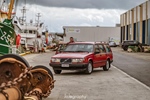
(102, 49)
(79, 47)
(89, 48)
(107, 48)
(97, 48)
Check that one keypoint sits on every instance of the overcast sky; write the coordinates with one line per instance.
(58, 13)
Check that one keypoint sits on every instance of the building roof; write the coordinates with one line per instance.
(90, 26)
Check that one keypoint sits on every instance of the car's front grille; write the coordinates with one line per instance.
(66, 60)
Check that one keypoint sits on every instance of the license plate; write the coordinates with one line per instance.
(65, 65)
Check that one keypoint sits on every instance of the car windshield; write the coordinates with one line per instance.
(79, 48)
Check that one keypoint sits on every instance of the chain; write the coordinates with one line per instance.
(14, 82)
(22, 76)
(36, 93)
(5, 94)
(9, 84)
(40, 95)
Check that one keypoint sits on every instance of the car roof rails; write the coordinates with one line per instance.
(103, 42)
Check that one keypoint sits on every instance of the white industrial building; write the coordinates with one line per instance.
(135, 23)
(95, 33)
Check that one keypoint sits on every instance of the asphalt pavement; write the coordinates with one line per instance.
(100, 85)
(136, 65)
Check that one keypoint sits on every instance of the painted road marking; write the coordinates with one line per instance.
(132, 78)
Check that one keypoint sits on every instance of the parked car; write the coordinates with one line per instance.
(112, 44)
(83, 56)
(127, 43)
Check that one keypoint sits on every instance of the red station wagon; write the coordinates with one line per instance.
(83, 56)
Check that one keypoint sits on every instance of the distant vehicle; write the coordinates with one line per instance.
(83, 56)
(44, 44)
(127, 43)
(112, 44)
(115, 39)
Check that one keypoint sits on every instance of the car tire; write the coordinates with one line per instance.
(89, 68)
(107, 66)
(57, 71)
(125, 48)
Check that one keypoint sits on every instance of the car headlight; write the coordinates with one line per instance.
(55, 60)
(78, 60)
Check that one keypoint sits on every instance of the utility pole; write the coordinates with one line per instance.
(1, 4)
(10, 9)
(23, 18)
(38, 18)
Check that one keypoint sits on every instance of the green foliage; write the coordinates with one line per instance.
(134, 48)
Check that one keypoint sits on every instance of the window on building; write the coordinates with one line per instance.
(25, 31)
(30, 31)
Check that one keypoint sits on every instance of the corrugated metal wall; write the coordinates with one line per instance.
(92, 33)
(136, 23)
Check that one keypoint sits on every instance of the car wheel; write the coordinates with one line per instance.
(57, 71)
(125, 48)
(89, 68)
(107, 66)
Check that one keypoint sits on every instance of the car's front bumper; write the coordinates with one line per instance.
(71, 66)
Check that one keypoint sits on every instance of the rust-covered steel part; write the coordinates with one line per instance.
(16, 72)
(42, 79)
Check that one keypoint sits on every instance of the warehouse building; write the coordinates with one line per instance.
(92, 33)
(135, 24)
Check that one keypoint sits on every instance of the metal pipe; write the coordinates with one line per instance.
(10, 9)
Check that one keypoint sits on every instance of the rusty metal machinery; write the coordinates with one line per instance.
(15, 72)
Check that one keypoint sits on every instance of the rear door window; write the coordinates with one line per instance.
(97, 48)
(108, 49)
(102, 49)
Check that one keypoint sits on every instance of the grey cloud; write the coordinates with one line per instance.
(83, 4)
